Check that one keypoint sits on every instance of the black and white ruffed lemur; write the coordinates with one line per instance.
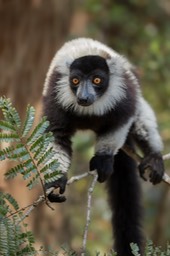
(90, 86)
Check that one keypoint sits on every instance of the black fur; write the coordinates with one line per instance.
(152, 161)
(61, 185)
(60, 118)
(125, 201)
(86, 69)
(155, 164)
(64, 123)
(104, 166)
(87, 64)
(123, 185)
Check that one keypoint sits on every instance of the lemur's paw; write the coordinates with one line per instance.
(103, 164)
(155, 164)
(61, 185)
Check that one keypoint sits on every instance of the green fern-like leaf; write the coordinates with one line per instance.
(6, 126)
(4, 208)
(11, 201)
(37, 143)
(30, 116)
(6, 153)
(50, 177)
(34, 153)
(44, 146)
(135, 249)
(29, 172)
(10, 113)
(13, 153)
(50, 171)
(33, 182)
(49, 154)
(32, 149)
(9, 137)
(13, 172)
(41, 142)
(24, 155)
(13, 241)
(28, 164)
(19, 152)
(38, 131)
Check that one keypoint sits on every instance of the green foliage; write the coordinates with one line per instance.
(31, 150)
(151, 250)
(29, 147)
(13, 240)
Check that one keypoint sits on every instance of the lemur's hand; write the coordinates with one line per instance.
(104, 166)
(155, 164)
(61, 184)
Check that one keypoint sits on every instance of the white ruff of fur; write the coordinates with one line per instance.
(77, 48)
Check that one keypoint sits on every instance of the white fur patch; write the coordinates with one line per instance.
(145, 125)
(113, 141)
(81, 47)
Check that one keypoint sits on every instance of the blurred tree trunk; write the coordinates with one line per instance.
(30, 33)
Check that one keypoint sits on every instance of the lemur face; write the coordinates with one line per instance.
(89, 79)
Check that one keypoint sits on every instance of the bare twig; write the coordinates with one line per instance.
(166, 157)
(88, 214)
(166, 178)
(43, 198)
(76, 178)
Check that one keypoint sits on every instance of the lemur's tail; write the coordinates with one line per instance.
(125, 201)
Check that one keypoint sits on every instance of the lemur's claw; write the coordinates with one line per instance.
(61, 184)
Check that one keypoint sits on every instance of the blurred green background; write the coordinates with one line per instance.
(31, 32)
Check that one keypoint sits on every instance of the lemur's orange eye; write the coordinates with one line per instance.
(97, 80)
(75, 81)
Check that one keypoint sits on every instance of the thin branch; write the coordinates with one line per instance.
(77, 178)
(43, 198)
(166, 157)
(88, 214)
(18, 211)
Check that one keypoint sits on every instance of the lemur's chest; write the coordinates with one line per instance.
(98, 124)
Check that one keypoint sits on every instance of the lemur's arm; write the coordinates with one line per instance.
(62, 145)
(106, 147)
(64, 159)
(145, 132)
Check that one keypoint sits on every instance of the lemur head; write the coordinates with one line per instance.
(89, 78)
